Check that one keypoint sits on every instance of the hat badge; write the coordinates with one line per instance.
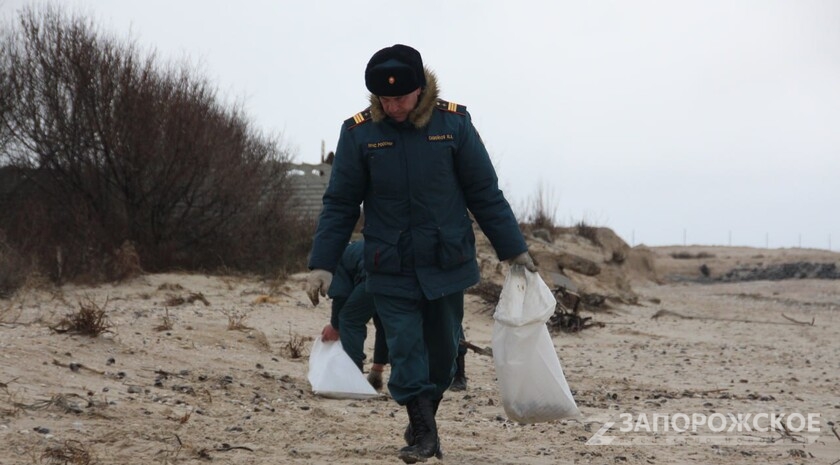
(391, 79)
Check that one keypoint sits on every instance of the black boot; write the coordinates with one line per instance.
(459, 383)
(421, 417)
(409, 433)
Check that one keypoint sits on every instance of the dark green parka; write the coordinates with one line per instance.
(347, 275)
(417, 180)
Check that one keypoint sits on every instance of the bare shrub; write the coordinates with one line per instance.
(112, 146)
(295, 347)
(89, 320)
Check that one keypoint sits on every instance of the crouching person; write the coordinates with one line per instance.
(352, 309)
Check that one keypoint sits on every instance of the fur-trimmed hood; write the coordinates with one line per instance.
(420, 116)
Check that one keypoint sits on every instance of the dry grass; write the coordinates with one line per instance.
(89, 320)
(236, 321)
(14, 409)
(176, 300)
(541, 209)
(69, 453)
(588, 232)
(295, 347)
(181, 419)
(34, 282)
(265, 299)
(126, 262)
(170, 287)
(167, 323)
(261, 340)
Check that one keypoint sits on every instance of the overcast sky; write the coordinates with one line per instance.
(671, 122)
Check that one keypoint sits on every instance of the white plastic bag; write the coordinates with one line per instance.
(333, 374)
(531, 380)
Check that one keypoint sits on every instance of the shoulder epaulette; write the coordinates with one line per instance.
(451, 107)
(357, 119)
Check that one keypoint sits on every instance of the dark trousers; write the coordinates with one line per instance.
(353, 319)
(462, 349)
(380, 344)
(423, 340)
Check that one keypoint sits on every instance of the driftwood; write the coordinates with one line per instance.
(488, 351)
(567, 320)
(664, 312)
(570, 321)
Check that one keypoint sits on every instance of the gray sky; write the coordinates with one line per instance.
(704, 122)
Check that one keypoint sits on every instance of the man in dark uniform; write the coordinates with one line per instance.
(420, 168)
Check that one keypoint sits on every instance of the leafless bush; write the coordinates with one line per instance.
(89, 320)
(295, 347)
(113, 146)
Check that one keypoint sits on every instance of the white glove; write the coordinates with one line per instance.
(524, 259)
(318, 282)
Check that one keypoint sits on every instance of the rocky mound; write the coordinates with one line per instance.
(593, 262)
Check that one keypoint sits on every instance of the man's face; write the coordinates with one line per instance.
(398, 108)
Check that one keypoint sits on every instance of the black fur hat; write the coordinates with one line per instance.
(395, 71)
